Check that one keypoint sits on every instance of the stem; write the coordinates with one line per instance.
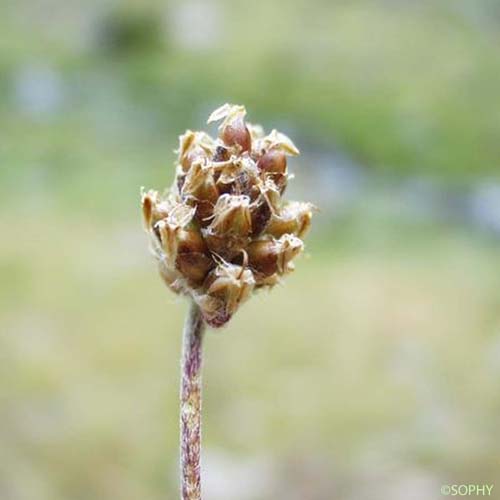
(190, 414)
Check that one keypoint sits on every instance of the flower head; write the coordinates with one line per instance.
(224, 230)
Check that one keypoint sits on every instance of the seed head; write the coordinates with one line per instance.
(223, 229)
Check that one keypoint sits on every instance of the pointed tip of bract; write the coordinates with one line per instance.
(227, 112)
(282, 142)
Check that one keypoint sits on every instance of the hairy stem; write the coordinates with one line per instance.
(190, 414)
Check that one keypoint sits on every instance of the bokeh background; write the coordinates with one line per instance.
(374, 372)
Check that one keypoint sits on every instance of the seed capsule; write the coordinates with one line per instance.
(229, 230)
(194, 266)
(228, 286)
(199, 190)
(295, 218)
(200, 183)
(274, 256)
(236, 133)
(186, 251)
(175, 236)
(233, 130)
(226, 175)
(272, 162)
(194, 146)
(231, 215)
(262, 256)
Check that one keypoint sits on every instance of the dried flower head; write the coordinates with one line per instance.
(223, 229)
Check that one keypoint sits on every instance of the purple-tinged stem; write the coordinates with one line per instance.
(190, 415)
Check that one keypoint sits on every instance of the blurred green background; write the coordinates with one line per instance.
(374, 372)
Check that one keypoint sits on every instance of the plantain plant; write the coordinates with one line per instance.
(221, 232)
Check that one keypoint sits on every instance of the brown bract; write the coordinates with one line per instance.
(224, 230)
